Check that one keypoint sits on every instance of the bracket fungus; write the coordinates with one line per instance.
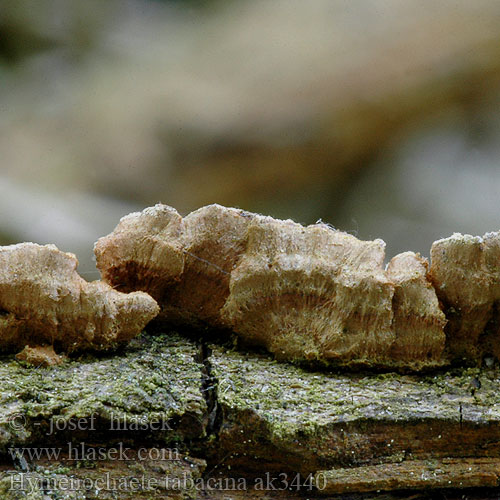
(316, 294)
(43, 301)
(465, 271)
(308, 294)
(184, 263)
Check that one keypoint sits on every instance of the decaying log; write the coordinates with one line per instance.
(278, 416)
(155, 384)
(417, 474)
(309, 294)
(145, 403)
(248, 417)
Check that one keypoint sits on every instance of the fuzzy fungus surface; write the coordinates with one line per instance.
(44, 301)
(308, 294)
(465, 271)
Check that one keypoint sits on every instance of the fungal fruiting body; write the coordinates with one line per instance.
(465, 271)
(184, 263)
(324, 295)
(43, 301)
(418, 318)
(40, 356)
(308, 294)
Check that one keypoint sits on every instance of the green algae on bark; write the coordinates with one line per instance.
(261, 415)
(153, 386)
(141, 477)
(288, 418)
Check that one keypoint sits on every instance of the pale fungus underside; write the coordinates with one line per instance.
(311, 294)
(44, 303)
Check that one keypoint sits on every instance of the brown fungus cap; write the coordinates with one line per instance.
(465, 272)
(308, 294)
(43, 301)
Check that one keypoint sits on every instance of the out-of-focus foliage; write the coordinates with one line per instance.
(375, 116)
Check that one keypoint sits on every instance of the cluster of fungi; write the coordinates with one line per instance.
(307, 294)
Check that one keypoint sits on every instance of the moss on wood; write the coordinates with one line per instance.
(154, 380)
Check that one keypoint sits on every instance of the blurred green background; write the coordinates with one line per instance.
(379, 117)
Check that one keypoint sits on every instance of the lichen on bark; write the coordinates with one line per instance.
(247, 414)
(155, 379)
(311, 295)
(280, 416)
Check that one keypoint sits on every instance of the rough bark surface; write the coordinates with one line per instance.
(240, 418)
(153, 379)
(417, 474)
(309, 421)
